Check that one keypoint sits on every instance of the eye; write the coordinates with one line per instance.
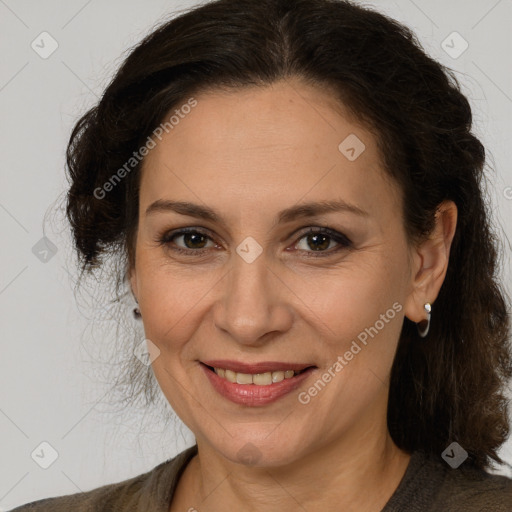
(191, 241)
(316, 242)
(321, 240)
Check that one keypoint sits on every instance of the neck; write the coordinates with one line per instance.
(357, 474)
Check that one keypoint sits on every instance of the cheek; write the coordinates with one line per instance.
(363, 317)
(349, 302)
(360, 311)
(172, 302)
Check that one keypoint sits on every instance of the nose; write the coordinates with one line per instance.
(254, 303)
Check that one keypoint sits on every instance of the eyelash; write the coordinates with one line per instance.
(345, 243)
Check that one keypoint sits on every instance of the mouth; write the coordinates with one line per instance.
(255, 384)
(260, 379)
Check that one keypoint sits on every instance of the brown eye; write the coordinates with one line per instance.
(321, 240)
(318, 242)
(191, 241)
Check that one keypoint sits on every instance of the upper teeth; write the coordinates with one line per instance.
(261, 379)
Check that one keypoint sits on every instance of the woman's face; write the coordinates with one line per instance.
(253, 288)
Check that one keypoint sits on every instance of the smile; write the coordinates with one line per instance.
(261, 379)
(255, 384)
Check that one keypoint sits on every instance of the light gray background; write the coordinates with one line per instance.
(47, 390)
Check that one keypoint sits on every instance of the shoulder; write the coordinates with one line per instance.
(148, 491)
(431, 485)
(474, 490)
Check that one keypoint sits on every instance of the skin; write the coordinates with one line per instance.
(248, 154)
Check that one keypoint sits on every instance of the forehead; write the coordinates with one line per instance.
(267, 146)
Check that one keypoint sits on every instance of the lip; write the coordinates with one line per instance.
(254, 395)
(262, 367)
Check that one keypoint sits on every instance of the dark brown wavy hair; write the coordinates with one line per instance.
(449, 387)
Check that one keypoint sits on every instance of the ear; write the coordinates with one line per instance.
(132, 273)
(430, 263)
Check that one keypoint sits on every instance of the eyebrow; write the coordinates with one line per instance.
(304, 210)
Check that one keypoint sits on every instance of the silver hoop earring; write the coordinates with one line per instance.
(423, 330)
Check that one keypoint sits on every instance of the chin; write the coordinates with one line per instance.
(258, 452)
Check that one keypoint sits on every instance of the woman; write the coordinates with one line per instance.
(294, 190)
